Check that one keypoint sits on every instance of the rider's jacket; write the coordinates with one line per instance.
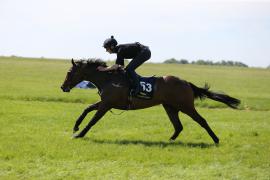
(127, 51)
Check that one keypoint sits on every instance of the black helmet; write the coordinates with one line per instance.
(109, 42)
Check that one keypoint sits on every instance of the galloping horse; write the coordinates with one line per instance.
(173, 93)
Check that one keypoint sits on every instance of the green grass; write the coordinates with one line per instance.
(36, 121)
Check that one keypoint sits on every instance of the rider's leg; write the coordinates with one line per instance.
(143, 56)
(134, 78)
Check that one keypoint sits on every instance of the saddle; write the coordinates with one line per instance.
(147, 84)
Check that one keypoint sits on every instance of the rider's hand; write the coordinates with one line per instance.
(120, 67)
(101, 68)
(114, 67)
(111, 68)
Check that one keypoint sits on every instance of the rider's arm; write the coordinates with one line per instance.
(119, 62)
(110, 68)
(120, 57)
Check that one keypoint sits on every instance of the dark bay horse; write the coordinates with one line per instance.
(173, 93)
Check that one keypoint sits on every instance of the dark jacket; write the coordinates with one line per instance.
(127, 51)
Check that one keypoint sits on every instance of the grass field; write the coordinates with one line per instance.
(36, 121)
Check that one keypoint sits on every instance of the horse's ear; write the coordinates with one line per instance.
(73, 63)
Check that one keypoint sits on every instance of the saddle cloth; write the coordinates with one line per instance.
(147, 85)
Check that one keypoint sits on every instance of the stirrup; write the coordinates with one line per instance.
(135, 91)
(132, 92)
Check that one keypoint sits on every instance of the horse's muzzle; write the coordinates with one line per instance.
(65, 89)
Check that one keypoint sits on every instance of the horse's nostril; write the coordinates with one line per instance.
(65, 89)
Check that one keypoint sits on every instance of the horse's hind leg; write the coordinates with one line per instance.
(173, 116)
(199, 119)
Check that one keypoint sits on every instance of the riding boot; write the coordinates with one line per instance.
(135, 83)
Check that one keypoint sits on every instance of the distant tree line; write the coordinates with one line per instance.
(205, 62)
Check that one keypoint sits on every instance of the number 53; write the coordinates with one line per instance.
(146, 86)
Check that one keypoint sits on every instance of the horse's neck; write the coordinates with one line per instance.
(99, 79)
(103, 78)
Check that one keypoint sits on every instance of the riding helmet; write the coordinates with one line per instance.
(110, 42)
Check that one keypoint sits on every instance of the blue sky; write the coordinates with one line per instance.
(192, 29)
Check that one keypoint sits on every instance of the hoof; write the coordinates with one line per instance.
(173, 137)
(216, 141)
(76, 136)
(75, 129)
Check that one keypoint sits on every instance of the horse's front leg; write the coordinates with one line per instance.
(82, 116)
(102, 109)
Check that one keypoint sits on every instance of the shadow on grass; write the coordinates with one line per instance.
(161, 144)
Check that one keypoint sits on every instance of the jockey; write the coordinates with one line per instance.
(135, 51)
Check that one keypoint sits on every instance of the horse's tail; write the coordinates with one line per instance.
(205, 93)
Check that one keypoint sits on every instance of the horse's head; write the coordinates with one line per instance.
(81, 70)
(73, 77)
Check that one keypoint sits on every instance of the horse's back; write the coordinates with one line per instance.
(173, 90)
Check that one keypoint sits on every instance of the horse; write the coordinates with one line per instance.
(175, 95)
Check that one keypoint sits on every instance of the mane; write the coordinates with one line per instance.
(91, 62)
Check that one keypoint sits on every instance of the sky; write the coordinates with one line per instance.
(237, 30)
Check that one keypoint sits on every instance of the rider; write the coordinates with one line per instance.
(135, 51)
